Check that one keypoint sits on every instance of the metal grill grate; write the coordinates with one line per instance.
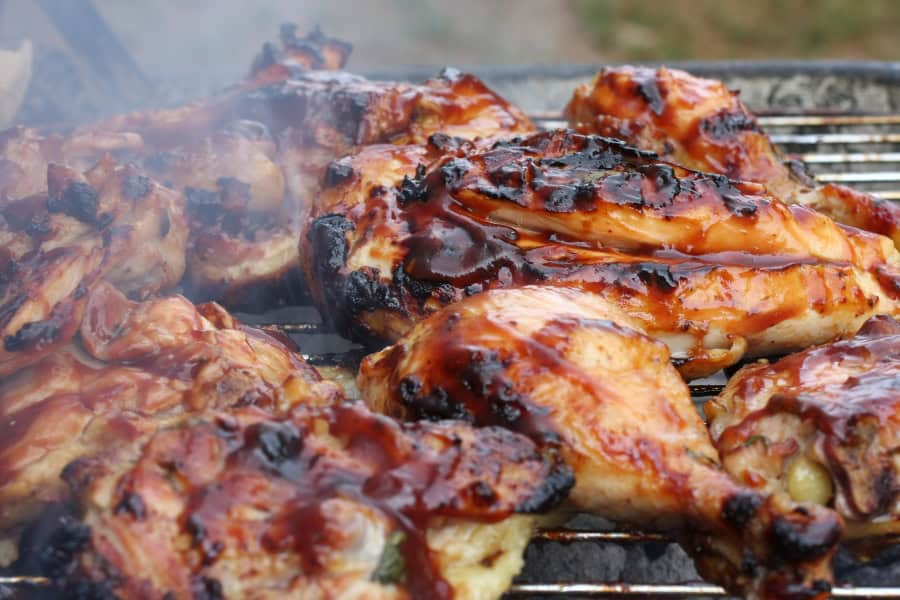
(862, 150)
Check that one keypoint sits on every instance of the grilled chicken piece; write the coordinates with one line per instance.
(701, 124)
(577, 375)
(251, 159)
(131, 367)
(326, 503)
(110, 224)
(716, 269)
(823, 425)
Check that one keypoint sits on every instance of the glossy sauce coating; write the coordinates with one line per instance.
(577, 376)
(300, 504)
(701, 124)
(130, 367)
(411, 229)
(836, 404)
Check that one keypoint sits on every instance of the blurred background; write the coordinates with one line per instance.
(205, 44)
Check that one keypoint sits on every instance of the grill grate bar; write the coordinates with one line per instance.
(827, 120)
(851, 157)
(780, 120)
(685, 590)
(572, 535)
(873, 177)
(814, 139)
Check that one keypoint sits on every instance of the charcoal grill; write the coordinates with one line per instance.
(842, 119)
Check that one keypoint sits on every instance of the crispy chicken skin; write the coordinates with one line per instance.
(131, 366)
(821, 424)
(701, 124)
(112, 223)
(577, 375)
(326, 503)
(717, 269)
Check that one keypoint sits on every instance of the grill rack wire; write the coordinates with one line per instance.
(867, 168)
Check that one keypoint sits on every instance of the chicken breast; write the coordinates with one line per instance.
(701, 124)
(717, 270)
(250, 159)
(112, 224)
(131, 367)
(326, 503)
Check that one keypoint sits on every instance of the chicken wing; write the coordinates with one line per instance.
(131, 367)
(111, 223)
(577, 375)
(823, 425)
(715, 269)
(326, 503)
(702, 125)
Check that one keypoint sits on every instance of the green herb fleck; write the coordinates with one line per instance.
(757, 438)
(391, 564)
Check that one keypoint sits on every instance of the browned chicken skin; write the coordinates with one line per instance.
(131, 367)
(251, 158)
(822, 424)
(576, 374)
(112, 224)
(701, 124)
(717, 269)
(326, 503)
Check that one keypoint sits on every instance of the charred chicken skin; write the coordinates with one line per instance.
(717, 269)
(130, 367)
(250, 159)
(577, 375)
(821, 424)
(112, 224)
(702, 125)
(325, 503)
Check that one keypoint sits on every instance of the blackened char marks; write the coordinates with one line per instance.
(658, 276)
(726, 124)
(365, 292)
(350, 107)
(32, 336)
(647, 87)
(422, 290)
(135, 187)
(205, 588)
(797, 541)
(740, 509)
(453, 172)
(78, 200)
(435, 405)
(413, 190)
(203, 203)
(570, 198)
(327, 237)
(665, 183)
(336, 173)
(591, 153)
(553, 490)
(12, 306)
(734, 200)
(274, 444)
(50, 545)
(132, 504)
(627, 189)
